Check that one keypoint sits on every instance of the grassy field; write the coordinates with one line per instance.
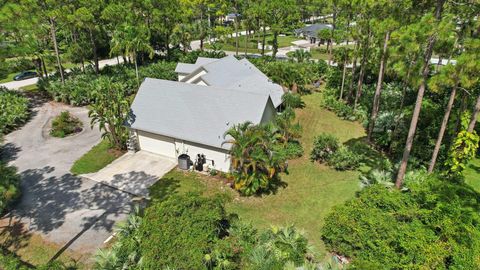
(312, 189)
(472, 174)
(252, 43)
(33, 249)
(97, 158)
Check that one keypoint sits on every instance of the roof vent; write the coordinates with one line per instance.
(228, 123)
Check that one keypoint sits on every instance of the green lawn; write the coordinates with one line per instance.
(472, 174)
(97, 158)
(9, 78)
(312, 190)
(252, 43)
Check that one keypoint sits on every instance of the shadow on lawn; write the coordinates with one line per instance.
(164, 188)
(474, 167)
(370, 157)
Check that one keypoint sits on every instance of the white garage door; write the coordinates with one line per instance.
(156, 144)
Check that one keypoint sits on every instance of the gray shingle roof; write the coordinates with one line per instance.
(312, 30)
(240, 75)
(189, 68)
(195, 113)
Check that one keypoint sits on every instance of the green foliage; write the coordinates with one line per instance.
(20, 64)
(191, 57)
(80, 86)
(257, 157)
(344, 159)
(340, 108)
(463, 149)
(291, 100)
(324, 145)
(292, 75)
(65, 124)
(110, 110)
(13, 110)
(178, 232)
(10, 262)
(430, 225)
(9, 186)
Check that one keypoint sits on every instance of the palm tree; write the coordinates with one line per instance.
(342, 55)
(301, 55)
(131, 40)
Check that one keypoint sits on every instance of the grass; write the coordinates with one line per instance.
(472, 174)
(312, 191)
(97, 158)
(229, 44)
(30, 88)
(33, 249)
(9, 77)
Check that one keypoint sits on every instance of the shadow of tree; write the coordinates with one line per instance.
(135, 183)
(164, 188)
(9, 152)
(13, 234)
(370, 157)
(474, 167)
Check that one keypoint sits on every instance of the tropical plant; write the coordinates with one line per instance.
(110, 110)
(9, 186)
(300, 56)
(324, 145)
(428, 225)
(256, 161)
(344, 159)
(65, 124)
(13, 110)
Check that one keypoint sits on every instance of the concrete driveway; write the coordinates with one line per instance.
(71, 211)
(134, 172)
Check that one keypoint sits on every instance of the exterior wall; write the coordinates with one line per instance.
(156, 144)
(220, 157)
(196, 76)
(216, 158)
(269, 112)
(181, 76)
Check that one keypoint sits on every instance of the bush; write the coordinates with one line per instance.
(13, 110)
(340, 108)
(324, 145)
(9, 186)
(20, 64)
(431, 225)
(65, 124)
(179, 232)
(291, 100)
(344, 159)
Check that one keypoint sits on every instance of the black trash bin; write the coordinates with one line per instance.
(184, 162)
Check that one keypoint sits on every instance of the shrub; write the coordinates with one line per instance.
(430, 225)
(178, 232)
(291, 100)
(324, 145)
(9, 186)
(13, 110)
(65, 124)
(20, 64)
(344, 159)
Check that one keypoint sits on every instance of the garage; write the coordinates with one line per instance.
(156, 144)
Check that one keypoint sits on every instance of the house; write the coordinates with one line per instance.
(191, 116)
(310, 32)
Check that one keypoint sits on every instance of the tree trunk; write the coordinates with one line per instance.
(236, 35)
(263, 40)
(350, 88)
(343, 78)
(360, 83)
(443, 127)
(246, 44)
(418, 104)
(378, 90)
(136, 69)
(55, 46)
(473, 119)
(94, 50)
(275, 44)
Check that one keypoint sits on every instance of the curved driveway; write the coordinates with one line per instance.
(73, 212)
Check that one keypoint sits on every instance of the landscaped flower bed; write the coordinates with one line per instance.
(65, 124)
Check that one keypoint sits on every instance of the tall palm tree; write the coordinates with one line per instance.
(131, 40)
(342, 55)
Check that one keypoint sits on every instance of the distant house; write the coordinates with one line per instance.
(192, 115)
(231, 17)
(310, 32)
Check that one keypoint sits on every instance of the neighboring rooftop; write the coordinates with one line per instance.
(231, 73)
(313, 29)
(195, 113)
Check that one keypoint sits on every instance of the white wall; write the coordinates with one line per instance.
(196, 76)
(220, 157)
(172, 147)
(269, 112)
(156, 144)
